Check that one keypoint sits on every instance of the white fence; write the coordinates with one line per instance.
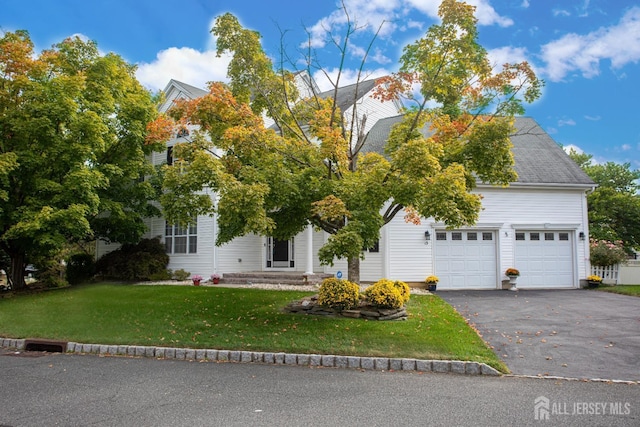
(609, 274)
(621, 274)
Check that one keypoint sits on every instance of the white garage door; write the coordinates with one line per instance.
(544, 258)
(466, 259)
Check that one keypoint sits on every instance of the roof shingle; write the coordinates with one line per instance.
(538, 158)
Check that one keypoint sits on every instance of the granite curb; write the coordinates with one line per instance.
(238, 356)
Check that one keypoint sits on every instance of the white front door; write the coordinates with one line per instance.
(280, 253)
(544, 258)
(466, 259)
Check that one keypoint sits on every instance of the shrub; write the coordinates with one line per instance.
(404, 290)
(339, 294)
(80, 268)
(51, 274)
(181, 274)
(604, 253)
(162, 275)
(385, 294)
(134, 261)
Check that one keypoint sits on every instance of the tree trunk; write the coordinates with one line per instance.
(353, 269)
(16, 275)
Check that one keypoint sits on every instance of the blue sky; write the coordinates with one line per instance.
(587, 51)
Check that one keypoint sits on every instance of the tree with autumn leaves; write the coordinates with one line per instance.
(73, 125)
(312, 170)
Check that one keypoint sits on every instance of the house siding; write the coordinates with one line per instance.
(505, 210)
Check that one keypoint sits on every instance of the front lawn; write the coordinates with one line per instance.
(622, 289)
(236, 319)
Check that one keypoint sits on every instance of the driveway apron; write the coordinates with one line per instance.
(567, 333)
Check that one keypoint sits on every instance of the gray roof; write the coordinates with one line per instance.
(191, 91)
(348, 95)
(538, 158)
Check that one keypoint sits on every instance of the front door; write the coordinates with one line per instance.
(279, 253)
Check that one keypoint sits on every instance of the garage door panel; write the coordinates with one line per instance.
(469, 262)
(547, 262)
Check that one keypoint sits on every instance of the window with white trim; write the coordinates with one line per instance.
(181, 240)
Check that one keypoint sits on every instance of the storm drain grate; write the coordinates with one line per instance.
(45, 345)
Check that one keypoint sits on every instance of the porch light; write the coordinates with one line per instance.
(582, 236)
(427, 235)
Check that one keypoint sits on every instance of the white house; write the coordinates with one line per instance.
(538, 224)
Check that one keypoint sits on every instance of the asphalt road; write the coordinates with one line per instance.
(569, 333)
(82, 390)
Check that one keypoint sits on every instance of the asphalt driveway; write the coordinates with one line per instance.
(567, 333)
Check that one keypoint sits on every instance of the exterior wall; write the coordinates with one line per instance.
(246, 253)
(200, 262)
(505, 210)
(374, 109)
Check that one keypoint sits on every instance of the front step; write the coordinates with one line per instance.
(275, 278)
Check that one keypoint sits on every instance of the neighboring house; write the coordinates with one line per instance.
(538, 224)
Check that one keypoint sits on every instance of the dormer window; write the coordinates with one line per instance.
(182, 132)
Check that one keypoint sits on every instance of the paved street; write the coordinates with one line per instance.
(76, 390)
(569, 333)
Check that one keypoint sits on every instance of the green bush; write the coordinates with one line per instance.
(162, 275)
(385, 294)
(181, 274)
(80, 268)
(50, 273)
(134, 261)
(339, 294)
(605, 253)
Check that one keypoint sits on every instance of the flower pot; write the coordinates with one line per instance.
(593, 283)
(215, 281)
(196, 283)
(432, 287)
(512, 282)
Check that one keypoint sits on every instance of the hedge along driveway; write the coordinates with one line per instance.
(236, 319)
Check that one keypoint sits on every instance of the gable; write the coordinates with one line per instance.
(179, 90)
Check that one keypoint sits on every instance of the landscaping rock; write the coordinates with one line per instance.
(309, 305)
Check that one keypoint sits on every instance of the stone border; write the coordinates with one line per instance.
(314, 360)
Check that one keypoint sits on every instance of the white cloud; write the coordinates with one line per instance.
(625, 147)
(380, 57)
(485, 13)
(619, 44)
(371, 14)
(593, 118)
(365, 14)
(566, 122)
(525, 4)
(348, 76)
(568, 148)
(507, 54)
(561, 12)
(184, 64)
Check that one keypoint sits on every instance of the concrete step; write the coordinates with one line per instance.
(282, 278)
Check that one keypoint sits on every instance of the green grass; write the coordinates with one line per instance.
(633, 290)
(236, 319)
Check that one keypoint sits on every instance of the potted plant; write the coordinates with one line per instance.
(594, 281)
(432, 283)
(215, 278)
(196, 280)
(512, 274)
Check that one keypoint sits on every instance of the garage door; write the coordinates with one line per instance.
(544, 258)
(466, 259)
